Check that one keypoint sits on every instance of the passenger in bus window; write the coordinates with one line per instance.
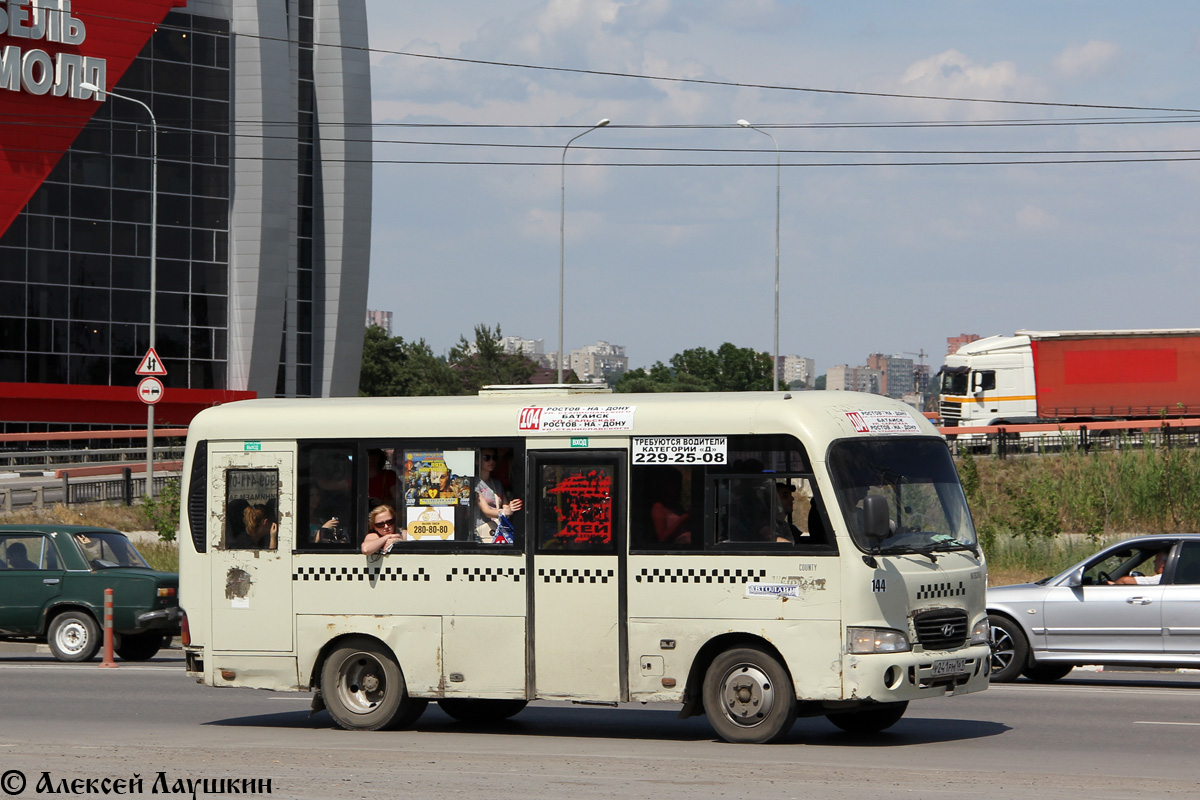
(383, 533)
(259, 531)
(672, 522)
(756, 512)
(323, 524)
(331, 475)
(490, 503)
(381, 480)
(787, 505)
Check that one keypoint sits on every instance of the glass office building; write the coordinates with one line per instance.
(264, 192)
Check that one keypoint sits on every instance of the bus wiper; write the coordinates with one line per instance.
(955, 544)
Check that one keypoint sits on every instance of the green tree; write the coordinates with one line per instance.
(392, 367)
(486, 363)
(728, 369)
(819, 383)
(658, 379)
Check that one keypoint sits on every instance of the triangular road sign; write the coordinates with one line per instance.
(151, 364)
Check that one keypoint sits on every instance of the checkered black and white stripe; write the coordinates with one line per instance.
(928, 591)
(514, 574)
(358, 574)
(575, 575)
(700, 576)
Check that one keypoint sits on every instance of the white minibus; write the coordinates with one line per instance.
(753, 557)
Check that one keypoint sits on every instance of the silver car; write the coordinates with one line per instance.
(1136, 603)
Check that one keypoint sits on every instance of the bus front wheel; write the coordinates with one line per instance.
(748, 696)
(363, 688)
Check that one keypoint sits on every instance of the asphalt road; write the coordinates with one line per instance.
(1093, 735)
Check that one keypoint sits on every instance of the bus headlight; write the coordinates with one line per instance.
(981, 633)
(876, 640)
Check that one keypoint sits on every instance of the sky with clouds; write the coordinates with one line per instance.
(903, 220)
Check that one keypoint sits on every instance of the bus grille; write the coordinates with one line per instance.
(941, 629)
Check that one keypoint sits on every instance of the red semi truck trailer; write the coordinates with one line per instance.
(1063, 376)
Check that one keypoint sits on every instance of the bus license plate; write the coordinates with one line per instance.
(950, 666)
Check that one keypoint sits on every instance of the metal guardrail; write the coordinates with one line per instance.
(125, 489)
(12, 460)
(1018, 440)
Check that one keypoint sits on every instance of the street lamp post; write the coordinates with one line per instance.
(100, 95)
(775, 360)
(562, 238)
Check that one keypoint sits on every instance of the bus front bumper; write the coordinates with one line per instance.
(897, 677)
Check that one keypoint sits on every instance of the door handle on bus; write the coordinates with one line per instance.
(50, 581)
(1138, 601)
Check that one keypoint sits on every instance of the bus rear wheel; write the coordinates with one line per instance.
(748, 696)
(479, 711)
(363, 688)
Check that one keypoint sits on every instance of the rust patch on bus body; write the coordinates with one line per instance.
(237, 583)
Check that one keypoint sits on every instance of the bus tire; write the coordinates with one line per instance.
(140, 646)
(472, 710)
(74, 636)
(748, 696)
(1010, 650)
(363, 688)
(875, 719)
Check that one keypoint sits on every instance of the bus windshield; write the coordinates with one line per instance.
(927, 511)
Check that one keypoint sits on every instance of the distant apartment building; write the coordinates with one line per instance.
(955, 342)
(533, 349)
(382, 319)
(797, 372)
(844, 378)
(897, 374)
(595, 362)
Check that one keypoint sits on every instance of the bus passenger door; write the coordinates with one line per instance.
(251, 537)
(577, 600)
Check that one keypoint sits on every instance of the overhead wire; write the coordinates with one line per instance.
(667, 78)
(1138, 155)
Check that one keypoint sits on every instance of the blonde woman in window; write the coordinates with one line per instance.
(383, 532)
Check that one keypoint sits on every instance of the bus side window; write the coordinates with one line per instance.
(251, 509)
(327, 511)
(664, 499)
(751, 511)
(804, 513)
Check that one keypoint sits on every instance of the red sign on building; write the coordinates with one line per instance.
(47, 49)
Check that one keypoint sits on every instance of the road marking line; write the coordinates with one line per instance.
(1062, 689)
(1156, 722)
(124, 667)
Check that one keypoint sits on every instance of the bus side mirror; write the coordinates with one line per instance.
(876, 519)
